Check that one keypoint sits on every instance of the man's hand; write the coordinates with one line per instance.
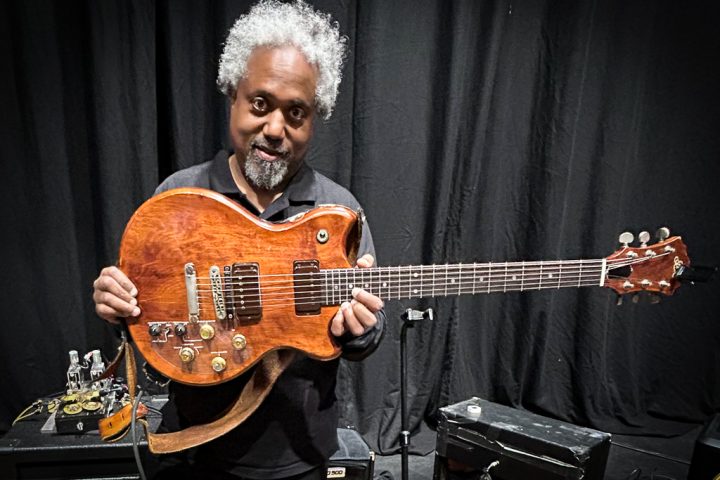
(357, 315)
(114, 295)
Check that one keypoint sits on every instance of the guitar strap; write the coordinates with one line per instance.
(264, 375)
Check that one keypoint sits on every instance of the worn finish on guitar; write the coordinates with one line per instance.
(207, 229)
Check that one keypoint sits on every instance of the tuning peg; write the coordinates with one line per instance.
(662, 233)
(644, 237)
(625, 238)
(619, 300)
(654, 298)
(635, 298)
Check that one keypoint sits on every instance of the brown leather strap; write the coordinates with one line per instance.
(263, 378)
(116, 426)
(261, 382)
(130, 370)
(110, 370)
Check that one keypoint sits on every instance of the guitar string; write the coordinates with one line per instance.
(376, 277)
(205, 300)
(491, 268)
(406, 277)
(272, 306)
(497, 284)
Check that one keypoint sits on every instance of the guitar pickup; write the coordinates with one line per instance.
(307, 287)
(246, 301)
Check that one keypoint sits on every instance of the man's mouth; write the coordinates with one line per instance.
(268, 154)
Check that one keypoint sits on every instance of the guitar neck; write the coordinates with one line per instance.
(422, 281)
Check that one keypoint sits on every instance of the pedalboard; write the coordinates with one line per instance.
(80, 412)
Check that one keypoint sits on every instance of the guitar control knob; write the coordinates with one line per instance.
(155, 329)
(180, 329)
(218, 364)
(187, 354)
(239, 342)
(207, 331)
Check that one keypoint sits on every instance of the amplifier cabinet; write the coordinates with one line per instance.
(705, 463)
(477, 435)
(354, 460)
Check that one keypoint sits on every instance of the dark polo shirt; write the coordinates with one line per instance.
(294, 430)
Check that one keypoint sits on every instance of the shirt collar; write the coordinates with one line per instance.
(299, 191)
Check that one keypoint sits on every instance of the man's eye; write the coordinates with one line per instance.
(259, 104)
(297, 113)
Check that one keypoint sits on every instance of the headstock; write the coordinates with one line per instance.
(647, 268)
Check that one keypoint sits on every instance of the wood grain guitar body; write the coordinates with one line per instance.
(218, 288)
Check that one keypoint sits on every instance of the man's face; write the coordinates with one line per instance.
(271, 118)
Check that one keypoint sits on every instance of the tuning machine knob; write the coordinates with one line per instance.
(662, 233)
(644, 237)
(626, 238)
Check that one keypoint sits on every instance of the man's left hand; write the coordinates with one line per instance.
(357, 315)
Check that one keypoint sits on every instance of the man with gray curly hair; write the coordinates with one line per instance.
(281, 68)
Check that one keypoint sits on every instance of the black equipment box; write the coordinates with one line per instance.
(354, 460)
(477, 435)
(705, 463)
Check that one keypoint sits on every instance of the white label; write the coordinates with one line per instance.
(336, 472)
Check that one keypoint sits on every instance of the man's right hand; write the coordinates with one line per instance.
(114, 295)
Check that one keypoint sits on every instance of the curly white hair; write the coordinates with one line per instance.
(272, 23)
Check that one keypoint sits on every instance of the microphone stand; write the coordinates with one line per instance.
(410, 317)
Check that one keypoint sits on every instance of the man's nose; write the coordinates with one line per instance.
(275, 125)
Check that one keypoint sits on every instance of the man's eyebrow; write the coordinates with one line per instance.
(295, 102)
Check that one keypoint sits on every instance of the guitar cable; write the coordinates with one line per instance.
(133, 425)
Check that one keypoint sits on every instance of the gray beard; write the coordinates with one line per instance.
(263, 174)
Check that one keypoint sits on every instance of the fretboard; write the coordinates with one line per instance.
(459, 279)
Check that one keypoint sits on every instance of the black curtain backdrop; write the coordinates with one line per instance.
(469, 130)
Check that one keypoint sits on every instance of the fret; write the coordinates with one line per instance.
(412, 282)
(432, 278)
(473, 277)
(559, 274)
(489, 277)
(505, 279)
(332, 286)
(522, 276)
(459, 279)
(411, 275)
(541, 276)
(446, 279)
(580, 274)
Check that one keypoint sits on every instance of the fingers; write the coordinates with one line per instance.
(366, 261)
(114, 295)
(357, 315)
(367, 299)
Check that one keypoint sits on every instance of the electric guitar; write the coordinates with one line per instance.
(219, 288)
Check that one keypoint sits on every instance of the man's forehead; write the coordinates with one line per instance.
(282, 73)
